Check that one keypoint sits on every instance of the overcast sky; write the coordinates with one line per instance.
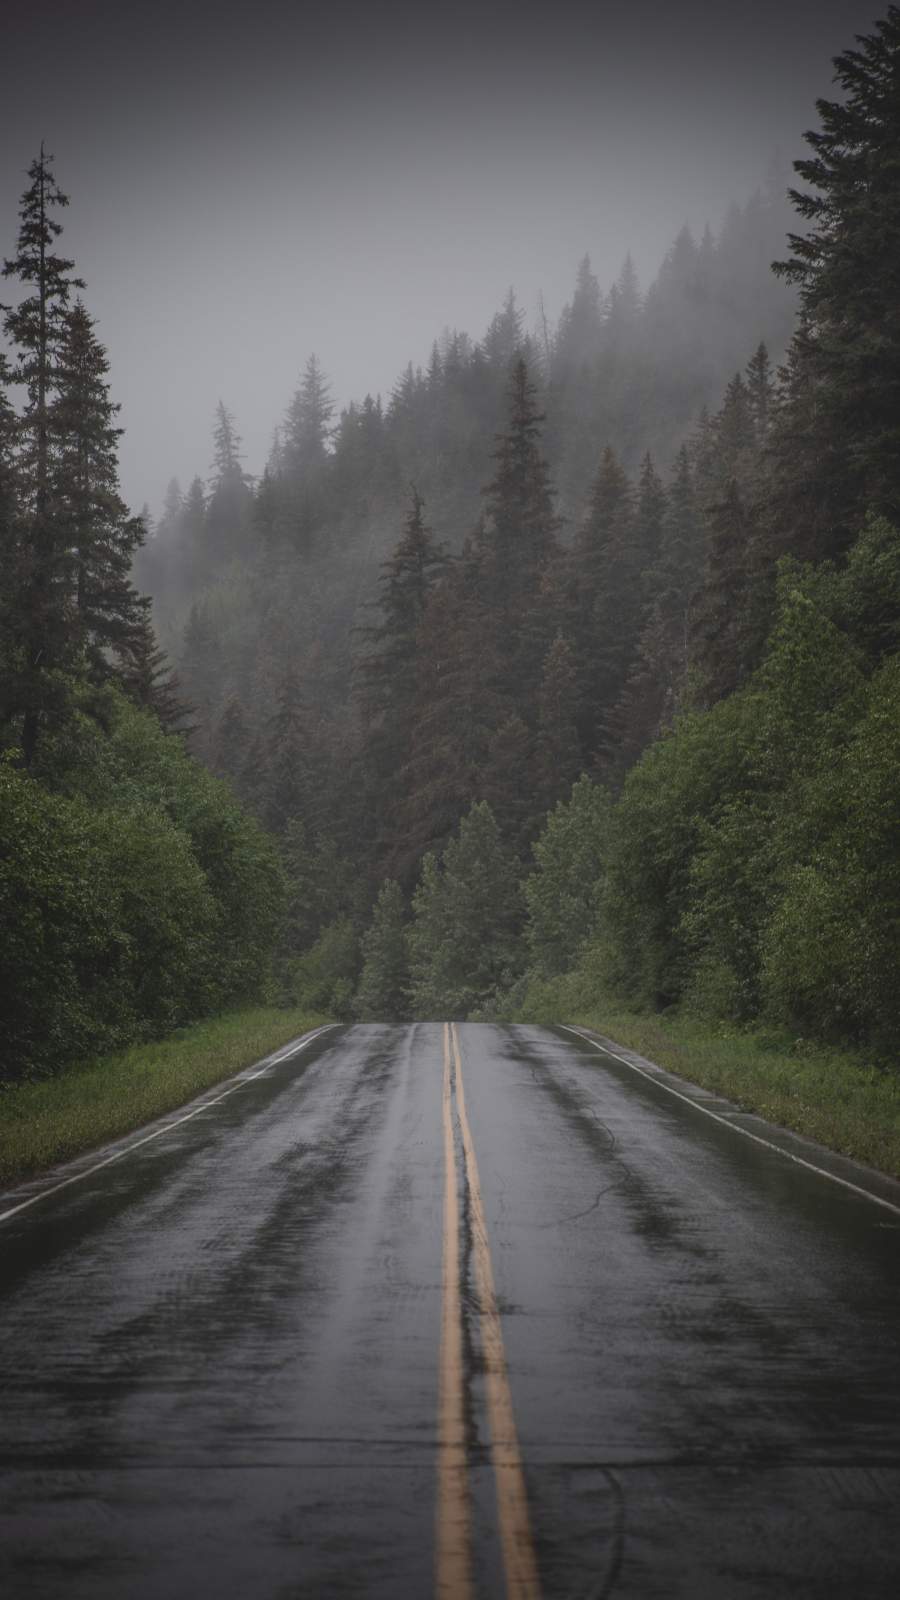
(252, 185)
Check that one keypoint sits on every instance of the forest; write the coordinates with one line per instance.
(571, 667)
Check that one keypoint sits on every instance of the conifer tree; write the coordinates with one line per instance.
(557, 759)
(152, 682)
(388, 677)
(459, 703)
(606, 608)
(231, 743)
(727, 628)
(46, 647)
(307, 425)
(650, 510)
(101, 535)
(230, 507)
(655, 686)
(287, 756)
(200, 665)
(518, 536)
(837, 444)
(382, 995)
(503, 781)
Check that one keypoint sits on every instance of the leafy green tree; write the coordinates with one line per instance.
(465, 936)
(562, 892)
(831, 947)
(325, 977)
(382, 995)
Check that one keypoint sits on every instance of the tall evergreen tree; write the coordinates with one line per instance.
(388, 675)
(517, 543)
(606, 608)
(287, 756)
(101, 535)
(836, 450)
(307, 426)
(557, 757)
(45, 646)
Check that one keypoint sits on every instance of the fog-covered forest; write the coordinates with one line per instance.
(569, 666)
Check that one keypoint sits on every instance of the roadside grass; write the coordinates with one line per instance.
(57, 1118)
(839, 1098)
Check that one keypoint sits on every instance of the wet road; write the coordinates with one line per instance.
(353, 1330)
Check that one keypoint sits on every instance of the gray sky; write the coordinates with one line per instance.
(248, 187)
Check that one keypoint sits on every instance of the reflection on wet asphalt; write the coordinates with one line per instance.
(219, 1356)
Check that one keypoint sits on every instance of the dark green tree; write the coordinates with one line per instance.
(44, 647)
(110, 618)
(557, 756)
(382, 995)
(836, 450)
(465, 937)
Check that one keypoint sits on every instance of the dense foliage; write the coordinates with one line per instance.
(135, 894)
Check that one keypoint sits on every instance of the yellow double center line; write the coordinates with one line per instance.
(454, 1543)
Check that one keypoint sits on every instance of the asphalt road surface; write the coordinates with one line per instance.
(460, 1312)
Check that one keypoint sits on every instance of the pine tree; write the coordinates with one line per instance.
(836, 449)
(727, 628)
(46, 644)
(151, 681)
(656, 683)
(503, 781)
(760, 394)
(516, 542)
(287, 756)
(382, 995)
(101, 535)
(231, 742)
(650, 510)
(11, 549)
(557, 759)
(459, 703)
(230, 508)
(388, 676)
(580, 328)
(201, 668)
(307, 425)
(605, 606)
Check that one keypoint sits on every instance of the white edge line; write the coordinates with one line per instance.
(736, 1127)
(271, 1061)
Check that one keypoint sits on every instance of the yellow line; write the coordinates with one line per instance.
(512, 1500)
(453, 1562)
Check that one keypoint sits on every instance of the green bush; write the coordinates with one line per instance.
(134, 892)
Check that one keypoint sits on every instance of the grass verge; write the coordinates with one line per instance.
(42, 1123)
(836, 1097)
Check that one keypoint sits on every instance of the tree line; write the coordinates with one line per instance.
(573, 667)
(135, 893)
(746, 864)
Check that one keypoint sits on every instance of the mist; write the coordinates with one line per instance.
(250, 187)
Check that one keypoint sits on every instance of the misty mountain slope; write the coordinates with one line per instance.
(285, 568)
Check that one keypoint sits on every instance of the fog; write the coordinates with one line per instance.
(250, 187)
